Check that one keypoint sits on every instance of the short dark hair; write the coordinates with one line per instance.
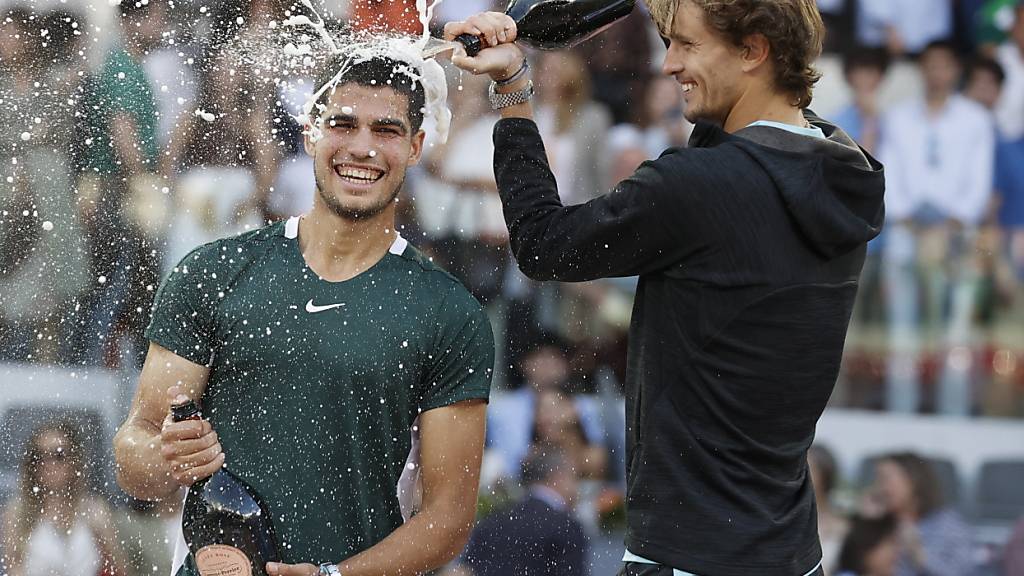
(375, 73)
(865, 535)
(983, 63)
(866, 57)
(924, 480)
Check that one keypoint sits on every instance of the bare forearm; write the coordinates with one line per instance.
(427, 541)
(141, 471)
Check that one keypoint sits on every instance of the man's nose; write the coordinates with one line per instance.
(672, 64)
(361, 143)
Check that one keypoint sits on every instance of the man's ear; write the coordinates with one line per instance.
(755, 51)
(417, 148)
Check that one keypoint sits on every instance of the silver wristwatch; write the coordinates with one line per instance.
(504, 100)
(328, 569)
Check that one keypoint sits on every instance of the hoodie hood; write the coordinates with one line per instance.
(831, 187)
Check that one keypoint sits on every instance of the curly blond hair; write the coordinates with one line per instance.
(793, 28)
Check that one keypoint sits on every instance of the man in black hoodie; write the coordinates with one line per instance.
(748, 245)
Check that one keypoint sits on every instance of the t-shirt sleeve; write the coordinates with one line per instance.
(183, 312)
(462, 360)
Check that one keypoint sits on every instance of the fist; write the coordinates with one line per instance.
(191, 448)
(501, 58)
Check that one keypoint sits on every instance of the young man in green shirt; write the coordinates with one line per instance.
(314, 345)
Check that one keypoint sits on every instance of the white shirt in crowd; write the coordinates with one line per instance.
(1010, 110)
(917, 22)
(943, 160)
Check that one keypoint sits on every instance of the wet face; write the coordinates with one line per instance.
(367, 145)
(707, 66)
(893, 486)
(941, 70)
(55, 466)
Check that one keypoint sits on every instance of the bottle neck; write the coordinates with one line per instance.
(187, 411)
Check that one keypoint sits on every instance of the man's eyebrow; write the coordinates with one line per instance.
(339, 118)
(384, 122)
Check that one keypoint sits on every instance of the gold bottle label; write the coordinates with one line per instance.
(221, 560)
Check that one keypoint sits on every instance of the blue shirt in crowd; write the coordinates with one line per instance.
(1010, 182)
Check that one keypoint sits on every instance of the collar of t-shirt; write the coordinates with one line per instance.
(813, 131)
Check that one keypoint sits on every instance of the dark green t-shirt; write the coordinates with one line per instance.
(313, 384)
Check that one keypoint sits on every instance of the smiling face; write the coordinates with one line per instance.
(708, 66)
(367, 145)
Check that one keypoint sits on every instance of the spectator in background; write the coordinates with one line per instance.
(42, 265)
(573, 125)
(832, 525)
(933, 539)
(938, 152)
(984, 82)
(524, 416)
(55, 526)
(864, 70)
(539, 536)
(226, 163)
(903, 27)
(1010, 54)
(871, 548)
(119, 192)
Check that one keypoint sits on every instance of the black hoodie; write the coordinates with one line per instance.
(748, 247)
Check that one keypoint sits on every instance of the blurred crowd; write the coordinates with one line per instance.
(133, 133)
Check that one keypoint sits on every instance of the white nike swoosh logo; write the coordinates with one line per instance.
(313, 308)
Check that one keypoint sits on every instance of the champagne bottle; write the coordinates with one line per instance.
(227, 527)
(557, 24)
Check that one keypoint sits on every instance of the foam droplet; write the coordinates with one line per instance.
(47, 225)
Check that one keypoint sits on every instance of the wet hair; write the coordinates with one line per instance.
(866, 57)
(375, 73)
(826, 464)
(924, 482)
(984, 64)
(793, 28)
(865, 535)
